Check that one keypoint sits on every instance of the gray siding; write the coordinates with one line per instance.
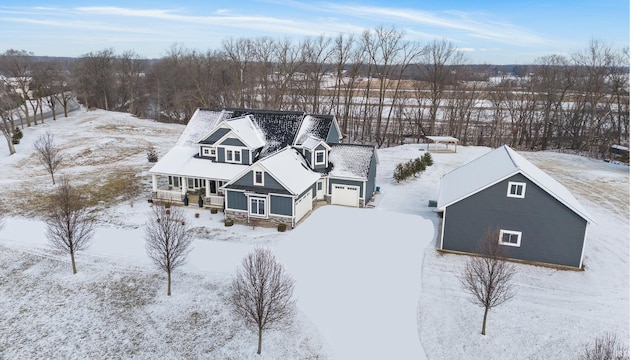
(236, 200)
(232, 142)
(332, 137)
(281, 205)
(222, 155)
(551, 232)
(371, 178)
(270, 184)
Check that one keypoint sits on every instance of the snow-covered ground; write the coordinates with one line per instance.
(369, 282)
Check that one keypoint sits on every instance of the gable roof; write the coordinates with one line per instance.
(180, 160)
(495, 166)
(247, 131)
(288, 167)
(317, 126)
(351, 160)
(202, 121)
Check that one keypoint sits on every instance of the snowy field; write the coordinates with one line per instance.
(369, 282)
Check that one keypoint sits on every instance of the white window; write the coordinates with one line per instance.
(257, 206)
(258, 177)
(234, 156)
(510, 238)
(208, 152)
(320, 157)
(319, 186)
(516, 189)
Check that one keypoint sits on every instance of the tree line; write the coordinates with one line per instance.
(384, 89)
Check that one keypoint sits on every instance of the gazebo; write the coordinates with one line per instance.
(442, 140)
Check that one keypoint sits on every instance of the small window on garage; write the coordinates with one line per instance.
(516, 189)
(510, 237)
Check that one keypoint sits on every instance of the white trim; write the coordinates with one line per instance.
(264, 199)
(444, 217)
(516, 184)
(315, 157)
(255, 177)
(232, 149)
(510, 232)
(584, 244)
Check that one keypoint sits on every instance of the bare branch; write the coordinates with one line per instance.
(263, 292)
(48, 154)
(488, 277)
(168, 239)
(70, 225)
(605, 347)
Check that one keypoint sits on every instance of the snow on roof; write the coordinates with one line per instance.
(351, 161)
(314, 125)
(247, 130)
(311, 142)
(449, 139)
(290, 169)
(181, 160)
(494, 167)
(202, 121)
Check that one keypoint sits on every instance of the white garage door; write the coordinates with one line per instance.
(303, 205)
(345, 195)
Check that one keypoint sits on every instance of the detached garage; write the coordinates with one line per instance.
(345, 195)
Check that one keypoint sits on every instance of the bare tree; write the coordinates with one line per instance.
(17, 65)
(48, 154)
(605, 347)
(488, 276)
(168, 239)
(70, 224)
(262, 292)
(2, 216)
(8, 104)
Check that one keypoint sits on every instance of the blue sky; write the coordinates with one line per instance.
(496, 32)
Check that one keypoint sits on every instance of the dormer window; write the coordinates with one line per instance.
(234, 156)
(320, 155)
(208, 152)
(516, 189)
(258, 178)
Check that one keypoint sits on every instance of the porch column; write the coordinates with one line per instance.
(184, 185)
(154, 182)
(207, 188)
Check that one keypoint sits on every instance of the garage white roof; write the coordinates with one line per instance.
(494, 167)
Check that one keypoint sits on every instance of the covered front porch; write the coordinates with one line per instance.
(172, 189)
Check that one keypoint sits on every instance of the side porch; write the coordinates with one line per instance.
(174, 189)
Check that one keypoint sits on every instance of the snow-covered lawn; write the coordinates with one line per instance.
(369, 282)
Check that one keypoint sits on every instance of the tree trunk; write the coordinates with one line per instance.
(53, 179)
(259, 341)
(73, 263)
(169, 283)
(484, 321)
(12, 149)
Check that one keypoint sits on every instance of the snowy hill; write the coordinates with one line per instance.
(369, 282)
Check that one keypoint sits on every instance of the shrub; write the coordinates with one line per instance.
(413, 167)
(17, 135)
(152, 155)
(282, 227)
(228, 222)
(605, 347)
